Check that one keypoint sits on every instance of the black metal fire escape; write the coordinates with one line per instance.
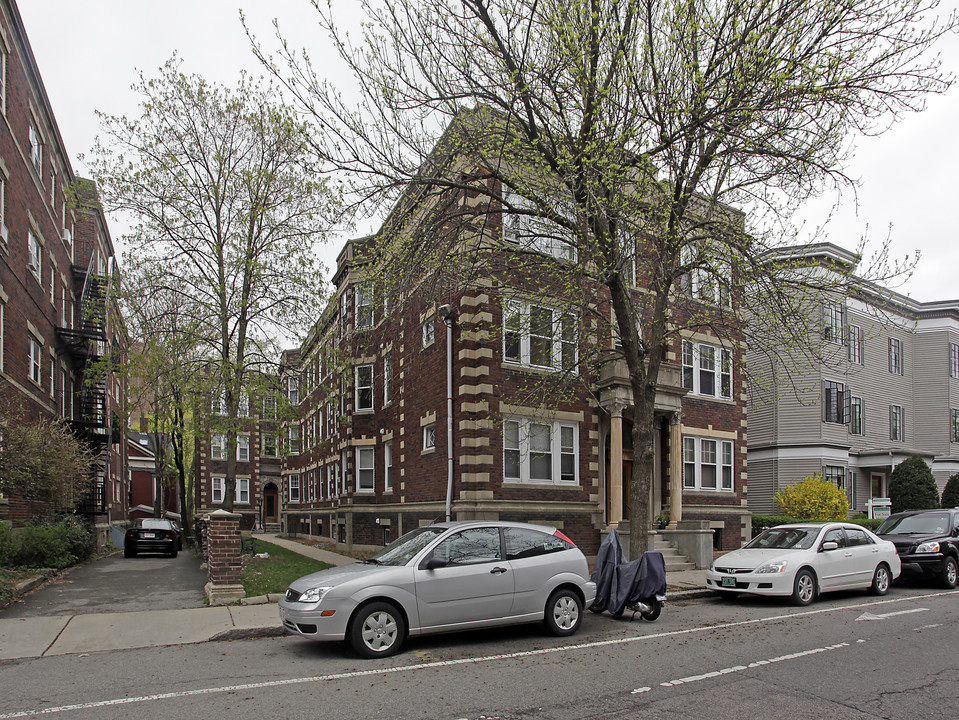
(87, 346)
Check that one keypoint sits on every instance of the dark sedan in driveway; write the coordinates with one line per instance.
(151, 535)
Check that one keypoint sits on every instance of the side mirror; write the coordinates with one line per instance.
(830, 545)
(433, 563)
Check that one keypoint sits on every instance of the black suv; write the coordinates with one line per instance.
(927, 541)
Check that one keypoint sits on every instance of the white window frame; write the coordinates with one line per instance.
(429, 331)
(34, 253)
(241, 491)
(217, 485)
(520, 435)
(294, 435)
(269, 445)
(954, 360)
(363, 297)
(696, 365)
(365, 469)
(293, 486)
(35, 360)
(36, 147)
(700, 452)
(293, 390)
(363, 388)
(857, 416)
(387, 379)
(388, 465)
(521, 339)
(243, 448)
(535, 233)
(429, 437)
(218, 446)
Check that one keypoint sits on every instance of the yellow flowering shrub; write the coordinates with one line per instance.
(813, 498)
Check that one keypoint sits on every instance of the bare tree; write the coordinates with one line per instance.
(230, 207)
(632, 126)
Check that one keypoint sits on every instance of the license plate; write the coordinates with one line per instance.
(149, 536)
(728, 581)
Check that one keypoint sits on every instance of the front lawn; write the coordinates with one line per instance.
(262, 576)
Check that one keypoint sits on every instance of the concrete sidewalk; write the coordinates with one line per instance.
(254, 617)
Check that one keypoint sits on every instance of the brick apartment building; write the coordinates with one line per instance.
(887, 389)
(536, 426)
(57, 272)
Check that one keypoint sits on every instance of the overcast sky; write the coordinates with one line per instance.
(89, 54)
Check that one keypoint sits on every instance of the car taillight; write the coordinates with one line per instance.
(129, 533)
(561, 536)
(170, 534)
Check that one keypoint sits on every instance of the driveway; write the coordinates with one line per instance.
(118, 584)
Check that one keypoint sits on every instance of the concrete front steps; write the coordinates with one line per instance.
(675, 561)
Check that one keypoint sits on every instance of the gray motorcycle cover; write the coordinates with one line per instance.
(619, 582)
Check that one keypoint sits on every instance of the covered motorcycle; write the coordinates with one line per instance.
(637, 585)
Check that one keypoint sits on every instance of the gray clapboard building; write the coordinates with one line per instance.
(887, 388)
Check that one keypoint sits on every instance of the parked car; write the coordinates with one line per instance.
(927, 541)
(441, 578)
(151, 535)
(804, 559)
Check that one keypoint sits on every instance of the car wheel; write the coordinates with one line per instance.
(129, 552)
(564, 612)
(377, 630)
(656, 607)
(949, 577)
(880, 580)
(804, 587)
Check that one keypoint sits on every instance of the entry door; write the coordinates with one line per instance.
(270, 504)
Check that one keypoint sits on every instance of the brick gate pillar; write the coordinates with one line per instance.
(223, 558)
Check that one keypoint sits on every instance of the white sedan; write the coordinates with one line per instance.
(805, 559)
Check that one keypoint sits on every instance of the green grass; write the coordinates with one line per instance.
(262, 576)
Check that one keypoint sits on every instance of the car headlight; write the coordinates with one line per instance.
(773, 567)
(928, 547)
(314, 595)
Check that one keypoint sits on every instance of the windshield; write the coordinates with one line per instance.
(923, 524)
(779, 538)
(405, 548)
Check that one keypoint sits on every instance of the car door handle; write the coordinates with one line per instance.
(497, 570)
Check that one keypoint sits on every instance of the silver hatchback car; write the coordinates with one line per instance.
(442, 578)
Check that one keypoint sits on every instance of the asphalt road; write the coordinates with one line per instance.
(118, 584)
(848, 656)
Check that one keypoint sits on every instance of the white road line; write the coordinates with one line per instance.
(883, 616)
(449, 663)
(752, 665)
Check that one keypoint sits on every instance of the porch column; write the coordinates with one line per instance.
(615, 464)
(675, 469)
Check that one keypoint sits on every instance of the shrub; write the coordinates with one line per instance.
(950, 493)
(912, 486)
(6, 544)
(814, 498)
(50, 543)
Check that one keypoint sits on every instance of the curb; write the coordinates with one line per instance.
(250, 633)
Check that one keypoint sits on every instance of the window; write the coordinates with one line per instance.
(953, 360)
(218, 406)
(294, 485)
(707, 464)
(243, 406)
(833, 321)
(470, 547)
(429, 436)
(269, 408)
(269, 445)
(364, 305)
(35, 360)
(242, 491)
(522, 543)
(538, 452)
(4, 232)
(954, 434)
(835, 408)
(364, 387)
(707, 370)
(36, 148)
(2, 309)
(530, 232)
(35, 255)
(364, 469)
(895, 356)
(855, 344)
(387, 379)
(3, 77)
(539, 336)
(855, 417)
(294, 439)
(388, 465)
(218, 447)
(217, 490)
(243, 448)
(429, 332)
(835, 474)
(293, 390)
(897, 423)
(709, 276)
